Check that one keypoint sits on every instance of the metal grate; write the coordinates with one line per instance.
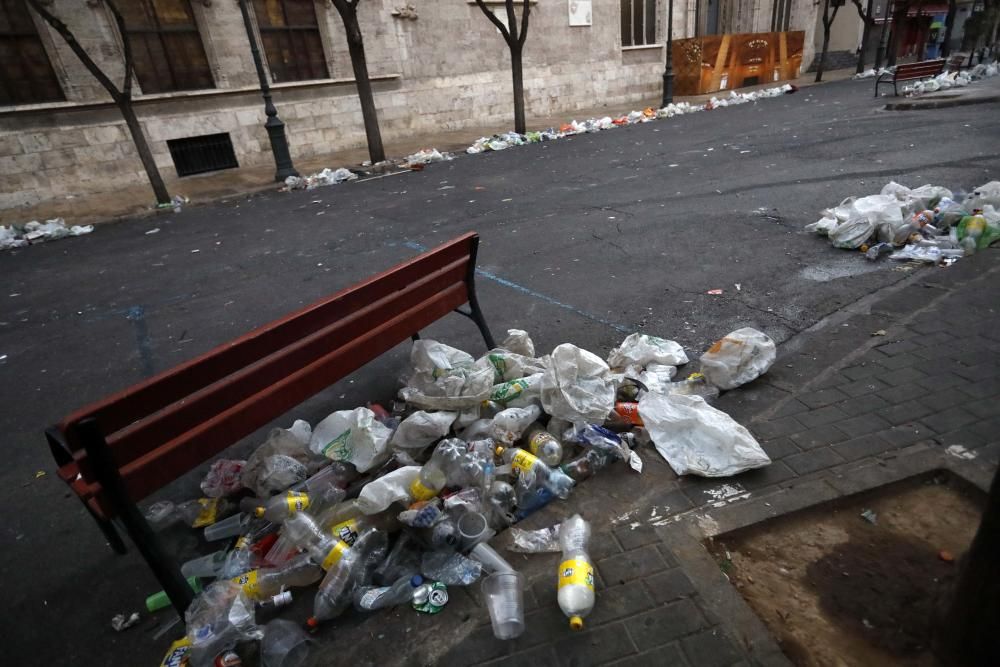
(196, 155)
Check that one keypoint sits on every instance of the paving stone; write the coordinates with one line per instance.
(479, 646)
(596, 646)
(818, 399)
(540, 655)
(759, 478)
(900, 436)
(669, 656)
(902, 393)
(981, 371)
(897, 347)
(776, 428)
(949, 420)
(665, 624)
(902, 376)
(944, 380)
(864, 386)
(779, 448)
(862, 425)
(905, 412)
(862, 405)
(600, 549)
(633, 539)
(789, 408)
(819, 437)
(863, 370)
(620, 602)
(668, 556)
(866, 445)
(827, 415)
(710, 648)
(669, 586)
(944, 399)
(930, 324)
(813, 460)
(902, 360)
(984, 389)
(631, 565)
(544, 625)
(984, 407)
(988, 428)
(962, 436)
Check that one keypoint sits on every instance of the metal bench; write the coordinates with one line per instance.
(910, 72)
(118, 451)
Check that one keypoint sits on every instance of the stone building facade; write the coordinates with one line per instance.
(435, 65)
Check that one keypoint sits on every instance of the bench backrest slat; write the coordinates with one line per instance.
(919, 70)
(166, 425)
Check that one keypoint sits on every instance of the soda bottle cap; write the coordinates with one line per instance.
(575, 623)
(312, 623)
(416, 580)
(258, 512)
(499, 450)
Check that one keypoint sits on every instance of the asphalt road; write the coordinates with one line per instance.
(583, 240)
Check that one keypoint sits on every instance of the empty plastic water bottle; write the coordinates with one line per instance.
(431, 479)
(354, 567)
(543, 444)
(576, 572)
(527, 465)
(370, 598)
(278, 508)
(265, 583)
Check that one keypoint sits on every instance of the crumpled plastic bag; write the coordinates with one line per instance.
(738, 358)
(543, 540)
(282, 460)
(658, 377)
(929, 254)
(639, 349)
(445, 378)
(519, 342)
(988, 193)
(378, 494)
(695, 438)
(577, 385)
(422, 429)
(353, 436)
(217, 620)
(832, 217)
(509, 424)
(511, 365)
(224, 478)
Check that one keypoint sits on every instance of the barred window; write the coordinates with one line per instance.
(638, 22)
(167, 50)
(289, 31)
(26, 74)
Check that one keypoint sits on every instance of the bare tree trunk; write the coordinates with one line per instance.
(122, 98)
(827, 24)
(949, 23)
(897, 19)
(517, 75)
(515, 42)
(968, 637)
(348, 10)
(866, 18)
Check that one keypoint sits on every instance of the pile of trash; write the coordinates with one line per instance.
(18, 236)
(326, 177)
(927, 224)
(425, 156)
(871, 73)
(499, 142)
(947, 80)
(390, 507)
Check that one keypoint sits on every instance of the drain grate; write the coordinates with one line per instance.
(197, 155)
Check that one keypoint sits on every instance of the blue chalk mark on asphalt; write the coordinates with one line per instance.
(413, 245)
(137, 315)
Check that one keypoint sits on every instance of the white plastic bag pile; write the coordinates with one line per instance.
(947, 80)
(922, 221)
(426, 156)
(326, 177)
(38, 232)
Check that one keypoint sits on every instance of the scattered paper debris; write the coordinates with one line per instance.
(119, 623)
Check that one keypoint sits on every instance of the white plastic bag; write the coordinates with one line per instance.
(832, 217)
(658, 377)
(697, 439)
(422, 429)
(577, 386)
(853, 233)
(988, 193)
(511, 366)
(445, 378)
(509, 424)
(639, 349)
(738, 358)
(280, 461)
(378, 494)
(519, 342)
(353, 436)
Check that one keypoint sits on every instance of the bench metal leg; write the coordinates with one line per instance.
(163, 567)
(477, 314)
(415, 337)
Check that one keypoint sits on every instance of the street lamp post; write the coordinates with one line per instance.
(668, 70)
(274, 126)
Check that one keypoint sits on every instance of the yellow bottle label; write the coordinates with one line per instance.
(420, 492)
(296, 501)
(523, 461)
(538, 441)
(242, 543)
(177, 654)
(346, 532)
(576, 571)
(336, 553)
(248, 581)
(209, 510)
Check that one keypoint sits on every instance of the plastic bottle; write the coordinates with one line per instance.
(509, 424)
(525, 464)
(265, 583)
(370, 598)
(431, 479)
(576, 572)
(350, 529)
(543, 444)
(588, 463)
(278, 508)
(353, 567)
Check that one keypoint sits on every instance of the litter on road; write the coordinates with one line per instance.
(19, 236)
(929, 224)
(947, 80)
(391, 506)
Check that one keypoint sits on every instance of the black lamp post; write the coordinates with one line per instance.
(668, 70)
(274, 126)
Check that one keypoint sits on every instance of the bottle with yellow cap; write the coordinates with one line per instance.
(264, 583)
(431, 479)
(354, 569)
(576, 572)
(278, 508)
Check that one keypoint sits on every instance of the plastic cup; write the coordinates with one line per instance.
(228, 527)
(472, 529)
(504, 593)
(491, 560)
(285, 644)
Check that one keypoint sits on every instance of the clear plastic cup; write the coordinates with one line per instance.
(285, 644)
(491, 560)
(228, 527)
(504, 593)
(472, 529)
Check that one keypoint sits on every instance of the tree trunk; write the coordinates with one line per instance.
(822, 56)
(142, 148)
(968, 637)
(865, 36)
(949, 22)
(897, 20)
(518, 79)
(359, 63)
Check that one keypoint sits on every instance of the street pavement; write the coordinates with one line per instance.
(583, 240)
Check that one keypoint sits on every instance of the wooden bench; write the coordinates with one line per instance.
(911, 72)
(956, 62)
(118, 451)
